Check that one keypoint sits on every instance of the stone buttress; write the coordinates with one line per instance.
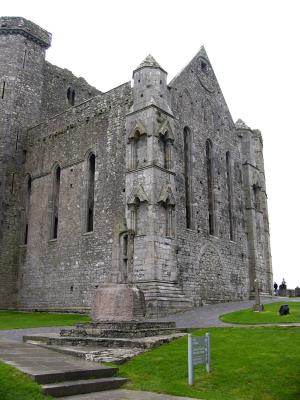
(256, 210)
(150, 187)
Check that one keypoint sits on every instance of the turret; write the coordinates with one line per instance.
(150, 85)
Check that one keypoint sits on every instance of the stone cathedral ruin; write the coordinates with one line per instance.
(150, 184)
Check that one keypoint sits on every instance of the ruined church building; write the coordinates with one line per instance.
(150, 183)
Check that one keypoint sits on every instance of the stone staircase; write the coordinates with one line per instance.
(165, 298)
(75, 382)
(58, 374)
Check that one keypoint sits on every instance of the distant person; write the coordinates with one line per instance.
(283, 283)
(275, 288)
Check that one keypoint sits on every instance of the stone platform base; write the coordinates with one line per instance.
(264, 295)
(109, 341)
(120, 329)
(115, 350)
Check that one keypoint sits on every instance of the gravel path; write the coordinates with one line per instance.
(208, 315)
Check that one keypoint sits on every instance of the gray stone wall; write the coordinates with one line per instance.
(58, 82)
(62, 273)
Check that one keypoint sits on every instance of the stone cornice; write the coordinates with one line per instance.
(28, 35)
(150, 106)
(130, 171)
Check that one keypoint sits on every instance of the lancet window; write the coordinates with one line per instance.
(187, 148)
(210, 183)
(90, 193)
(229, 194)
(27, 208)
(55, 202)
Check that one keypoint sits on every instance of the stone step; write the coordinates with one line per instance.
(96, 354)
(71, 375)
(128, 325)
(116, 333)
(72, 388)
(144, 343)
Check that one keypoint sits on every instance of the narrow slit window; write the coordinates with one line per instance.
(24, 58)
(187, 176)
(3, 90)
(210, 193)
(55, 209)
(12, 183)
(71, 96)
(229, 194)
(90, 193)
(27, 208)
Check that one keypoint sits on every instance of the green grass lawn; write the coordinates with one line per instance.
(269, 316)
(247, 364)
(16, 319)
(16, 386)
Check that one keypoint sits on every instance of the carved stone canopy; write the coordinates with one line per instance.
(138, 130)
(165, 131)
(137, 193)
(166, 196)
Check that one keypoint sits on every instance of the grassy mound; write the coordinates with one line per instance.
(16, 386)
(17, 319)
(269, 316)
(247, 364)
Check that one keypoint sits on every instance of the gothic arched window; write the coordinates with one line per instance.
(210, 192)
(187, 149)
(55, 202)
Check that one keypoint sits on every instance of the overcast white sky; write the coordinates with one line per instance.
(253, 47)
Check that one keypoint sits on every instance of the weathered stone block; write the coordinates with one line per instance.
(123, 302)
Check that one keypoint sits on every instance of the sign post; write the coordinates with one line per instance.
(198, 353)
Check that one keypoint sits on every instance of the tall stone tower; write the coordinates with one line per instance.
(22, 57)
(150, 188)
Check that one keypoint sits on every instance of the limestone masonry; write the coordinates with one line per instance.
(149, 184)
